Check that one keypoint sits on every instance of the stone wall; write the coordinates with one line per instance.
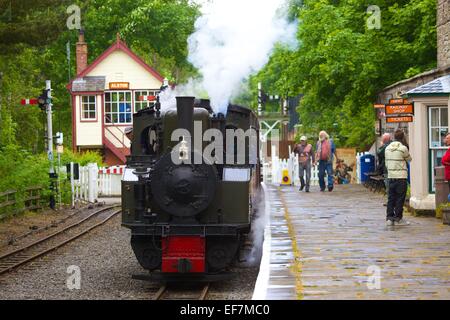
(443, 33)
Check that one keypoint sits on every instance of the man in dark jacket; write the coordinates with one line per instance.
(305, 160)
(381, 169)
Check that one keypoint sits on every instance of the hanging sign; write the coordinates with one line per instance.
(399, 119)
(400, 109)
(397, 101)
(119, 85)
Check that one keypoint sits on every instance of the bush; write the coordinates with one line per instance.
(440, 208)
(82, 158)
(20, 170)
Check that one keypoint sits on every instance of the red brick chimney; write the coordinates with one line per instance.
(82, 53)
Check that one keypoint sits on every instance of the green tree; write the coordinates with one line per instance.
(33, 42)
(341, 65)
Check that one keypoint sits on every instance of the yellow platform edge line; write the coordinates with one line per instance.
(296, 264)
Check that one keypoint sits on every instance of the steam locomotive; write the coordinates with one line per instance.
(190, 211)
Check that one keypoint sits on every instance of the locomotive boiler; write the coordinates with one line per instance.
(189, 187)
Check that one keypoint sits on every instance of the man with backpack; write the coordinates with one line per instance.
(325, 152)
(381, 168)
(305, 160)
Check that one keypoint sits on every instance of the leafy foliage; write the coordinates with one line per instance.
(21, 169)
(341, 65)
(33, 39)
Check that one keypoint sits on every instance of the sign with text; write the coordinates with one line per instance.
(399, 119)
(379, 106)
(398, 101)
(119, 85)
(400, 109)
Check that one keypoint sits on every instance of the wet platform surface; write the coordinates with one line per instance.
(336, 246)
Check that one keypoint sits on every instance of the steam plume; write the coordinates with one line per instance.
(233, 39)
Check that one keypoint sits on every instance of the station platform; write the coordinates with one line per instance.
(336, 245)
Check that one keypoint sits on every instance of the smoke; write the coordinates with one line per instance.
(233, 39)
(192, 88)
(253, 256)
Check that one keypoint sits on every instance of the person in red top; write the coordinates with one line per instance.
(446, 159)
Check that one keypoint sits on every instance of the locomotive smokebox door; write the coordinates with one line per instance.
(183, 190)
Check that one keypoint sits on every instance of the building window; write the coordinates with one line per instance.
(88, 108)
(438, 129)
(118, 107)
(139, 105)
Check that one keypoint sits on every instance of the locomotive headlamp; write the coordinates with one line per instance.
(184, 151)
(236, 174)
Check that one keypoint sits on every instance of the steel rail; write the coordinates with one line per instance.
(164, 289)
(75, 224)
(25, 259)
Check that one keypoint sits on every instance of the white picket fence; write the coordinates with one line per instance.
(110, 181)
(272, 171)
(86, 188)
(95, 182)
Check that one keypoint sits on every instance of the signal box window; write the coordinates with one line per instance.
(138, 104)
(88, 108)
(118, 107)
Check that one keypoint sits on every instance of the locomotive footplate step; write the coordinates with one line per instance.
(157, 276)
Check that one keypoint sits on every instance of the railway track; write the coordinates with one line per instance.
(14, 259)
(166, 293)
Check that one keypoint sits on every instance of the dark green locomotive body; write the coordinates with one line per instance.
(191, 216)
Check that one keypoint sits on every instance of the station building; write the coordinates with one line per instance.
(105, 94)
(430, 93)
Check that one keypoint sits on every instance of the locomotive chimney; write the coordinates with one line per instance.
(185, 111)
(82, 53)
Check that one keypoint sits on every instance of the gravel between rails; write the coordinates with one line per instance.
(25, 229)
(107, 263)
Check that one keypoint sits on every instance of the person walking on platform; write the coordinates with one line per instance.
(305, 160)
(397, 157)
(325, 151)
(381, 169)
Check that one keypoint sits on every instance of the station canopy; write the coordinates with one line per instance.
(437, 87)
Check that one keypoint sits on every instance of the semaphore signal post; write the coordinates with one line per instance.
(45, 104)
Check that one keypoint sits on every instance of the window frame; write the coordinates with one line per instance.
(82, 105)
(143, 104)
(433, 150)
(116, 101)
